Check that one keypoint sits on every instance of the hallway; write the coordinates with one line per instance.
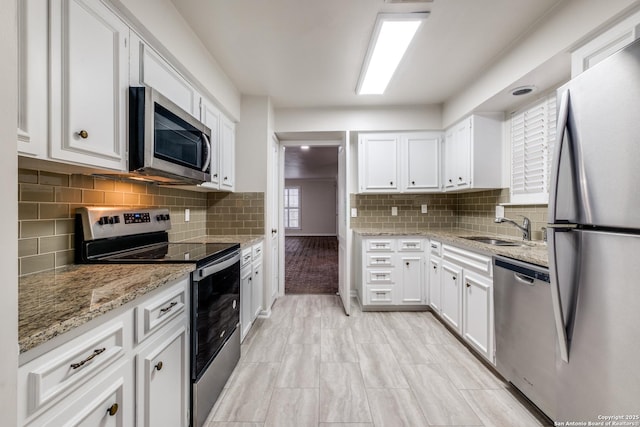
(310, 365)
(311, 265)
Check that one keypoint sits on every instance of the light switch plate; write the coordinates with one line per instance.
(394, 211)
(354, 212)
(423, 208)
(187, 215)
(499, 211)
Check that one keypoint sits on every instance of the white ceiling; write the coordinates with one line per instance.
(308, 53)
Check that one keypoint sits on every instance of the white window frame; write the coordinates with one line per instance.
(288, 208)
(532, 134)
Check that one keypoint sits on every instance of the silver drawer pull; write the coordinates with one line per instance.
(378, 276)
(164, 310)
(88, 359)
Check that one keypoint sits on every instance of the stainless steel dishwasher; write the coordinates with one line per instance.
(525, 332)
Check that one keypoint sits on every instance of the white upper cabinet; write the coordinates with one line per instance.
(211, 117)
(612, 40)
(422, 154)
(473, 153)
(150, 69)
(89, 59)
(378, 162)
(399, 162)
(227, 154)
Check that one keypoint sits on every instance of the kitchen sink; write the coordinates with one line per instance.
(494, 241)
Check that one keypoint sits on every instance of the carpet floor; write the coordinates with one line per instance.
(311, 265)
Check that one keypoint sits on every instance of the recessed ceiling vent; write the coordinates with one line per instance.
(408, 1)
(522, 90)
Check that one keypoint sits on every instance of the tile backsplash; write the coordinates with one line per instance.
(469, 211)
(47, 202)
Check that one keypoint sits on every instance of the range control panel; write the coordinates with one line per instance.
(100, 223)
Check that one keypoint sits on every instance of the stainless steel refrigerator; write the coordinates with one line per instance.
(594, 241)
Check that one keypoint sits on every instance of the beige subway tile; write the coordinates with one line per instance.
(139, 188)
(146, 199)
(104, 184)
(122, 187)
(64, 226)
(69, 195)
(36, 263)
(36, 228)
(92, 196)
(113, 198)
(52, 211)
(57, 179)
(64, 258)
(27, 247)
(81, 181)
(27, 211)
(27, 176)
(53, 244)
(36, 193)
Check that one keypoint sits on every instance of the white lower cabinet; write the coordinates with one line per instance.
(100, 375)
(451, 276)
(477, 318)
(412, 290)
(251, 286)
(435, 273)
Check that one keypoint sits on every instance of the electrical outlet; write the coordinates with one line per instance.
(354, 212)
(394, 211)
(499, 211)
(423, 208)
(187, 215)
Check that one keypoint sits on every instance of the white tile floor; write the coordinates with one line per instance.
(310, 365)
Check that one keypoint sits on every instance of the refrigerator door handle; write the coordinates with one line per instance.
(563, 117)
(556, 298)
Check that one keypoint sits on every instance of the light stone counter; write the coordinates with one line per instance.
(57, 301)
(532, 252)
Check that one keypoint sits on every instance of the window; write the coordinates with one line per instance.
(292, 207)
(533, 135)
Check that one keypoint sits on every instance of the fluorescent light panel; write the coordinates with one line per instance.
(391, 37)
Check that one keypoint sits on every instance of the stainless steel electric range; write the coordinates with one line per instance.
(116, 235)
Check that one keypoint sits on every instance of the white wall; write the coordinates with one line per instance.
(561, 30)
(253, 139)
(166, 25)
(317, 207)
(8, 215)
(427, 117)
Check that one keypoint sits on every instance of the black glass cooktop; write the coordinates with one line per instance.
(199, 253)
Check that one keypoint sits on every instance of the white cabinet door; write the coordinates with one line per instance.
(421, 156)
(228, 154)
(449, 160)
(89, 83)
(257, 290)
(477, 318)
(246, 281)
(462, 154)
(163, 378)
(434, 283)
(150, 69)
(378, 163)
(210, 116)
(451, 294)
(412, 286)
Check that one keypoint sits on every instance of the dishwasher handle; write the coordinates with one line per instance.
(524, 272)
(527, 280)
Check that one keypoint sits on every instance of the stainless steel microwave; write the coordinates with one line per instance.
(166, 144)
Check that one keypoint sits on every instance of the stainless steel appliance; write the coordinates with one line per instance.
(166, 143)
(525, 330)
(139, 235)
(594, 242)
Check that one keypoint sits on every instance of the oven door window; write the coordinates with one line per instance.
(217, 314)
(176, 140)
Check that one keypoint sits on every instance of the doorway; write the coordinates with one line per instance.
(310, 217)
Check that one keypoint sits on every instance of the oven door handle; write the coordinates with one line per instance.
(218, 266)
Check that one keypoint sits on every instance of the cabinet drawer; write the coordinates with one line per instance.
(54, 375)
(379, 245)
(379, 276)
(468, 260)
(245, 257)
(435, 248)
(379, 260)
(379, 295)
(407, 245)
(257, 251)
(158, 311)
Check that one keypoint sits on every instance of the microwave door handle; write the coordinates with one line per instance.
(207, 160)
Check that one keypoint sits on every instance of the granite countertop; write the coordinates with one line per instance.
(533, 252)
(53, 302)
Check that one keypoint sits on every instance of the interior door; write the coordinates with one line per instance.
(276, 245)
(344, 233)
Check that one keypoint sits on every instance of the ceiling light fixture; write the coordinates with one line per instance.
(391, 37)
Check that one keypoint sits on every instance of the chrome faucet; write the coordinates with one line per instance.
(525, 227)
